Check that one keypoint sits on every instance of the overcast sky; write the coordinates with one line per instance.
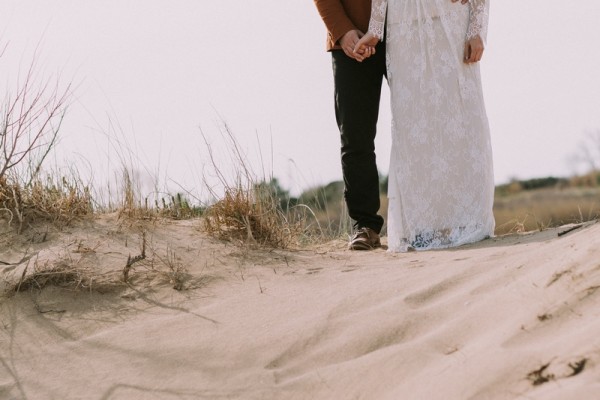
(156, 73)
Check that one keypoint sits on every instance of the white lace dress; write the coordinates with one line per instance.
(441, 183)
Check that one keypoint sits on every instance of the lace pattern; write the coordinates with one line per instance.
(422, 9)
(478, 19)
(377, 21)
(441, 183)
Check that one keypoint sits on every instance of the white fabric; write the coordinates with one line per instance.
(441, 183)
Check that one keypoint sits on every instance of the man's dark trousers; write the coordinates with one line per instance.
(357, 95)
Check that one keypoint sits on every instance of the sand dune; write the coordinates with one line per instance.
(515, 317)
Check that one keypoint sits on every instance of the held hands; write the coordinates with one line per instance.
(365, 47)
(348, 43)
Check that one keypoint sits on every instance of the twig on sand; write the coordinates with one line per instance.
(571, 229)
(133, 260)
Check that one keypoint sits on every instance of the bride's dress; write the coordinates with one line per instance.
(441, 183)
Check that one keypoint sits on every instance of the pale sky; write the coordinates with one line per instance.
(154, 73)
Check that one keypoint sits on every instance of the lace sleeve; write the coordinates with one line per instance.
(377, 21)
(478, 20)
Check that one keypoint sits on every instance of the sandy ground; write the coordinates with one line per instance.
(515, 317)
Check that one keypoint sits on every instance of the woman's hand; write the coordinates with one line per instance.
(365, 47)
(474, 50)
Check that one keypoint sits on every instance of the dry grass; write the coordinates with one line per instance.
(178, 207)
(75, 269)
(249, 214)
(64, 272)
(543, 208)
(171, 270)
(249, 209)
(329, 218)
(157, 269)
(59, 202)
(134, 207)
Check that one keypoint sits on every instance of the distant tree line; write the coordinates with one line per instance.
(322, 197)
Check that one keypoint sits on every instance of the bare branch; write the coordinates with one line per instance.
(30, 123)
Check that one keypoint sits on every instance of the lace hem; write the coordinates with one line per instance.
(441, 239)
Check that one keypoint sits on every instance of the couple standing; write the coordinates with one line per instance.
(441, 184)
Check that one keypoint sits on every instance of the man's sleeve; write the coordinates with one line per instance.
(335, 18)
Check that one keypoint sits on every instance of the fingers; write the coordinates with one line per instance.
(366, 43)
(467, 55)
(357, 56)
(473, 54)
(366, 51)
(348, 41)
(476, 55)
(358, 45)
(473, 50)
(360, 49)
(350, 38)
(363, 52)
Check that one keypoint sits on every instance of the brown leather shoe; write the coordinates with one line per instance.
(365, 239)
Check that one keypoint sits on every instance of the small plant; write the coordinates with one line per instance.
(29, 126)
(178, 207)
(246, 214)
(152, 267)
(249, 209)
(176, 273)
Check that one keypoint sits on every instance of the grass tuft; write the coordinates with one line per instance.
(250, 209)
(57, 201)
(250, 215)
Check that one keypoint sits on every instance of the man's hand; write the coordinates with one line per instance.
(349, 41)
(462, 1)
(474, 50)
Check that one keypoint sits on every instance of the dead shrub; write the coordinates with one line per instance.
(58, 202)
(249, 209)
(248, 215)
(31, 116)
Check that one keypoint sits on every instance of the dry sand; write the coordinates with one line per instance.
(515, 317)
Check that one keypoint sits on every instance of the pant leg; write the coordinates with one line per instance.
(357, 95)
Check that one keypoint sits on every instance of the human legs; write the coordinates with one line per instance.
(357, 95)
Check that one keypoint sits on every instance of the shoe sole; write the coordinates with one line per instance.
(363, 246)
